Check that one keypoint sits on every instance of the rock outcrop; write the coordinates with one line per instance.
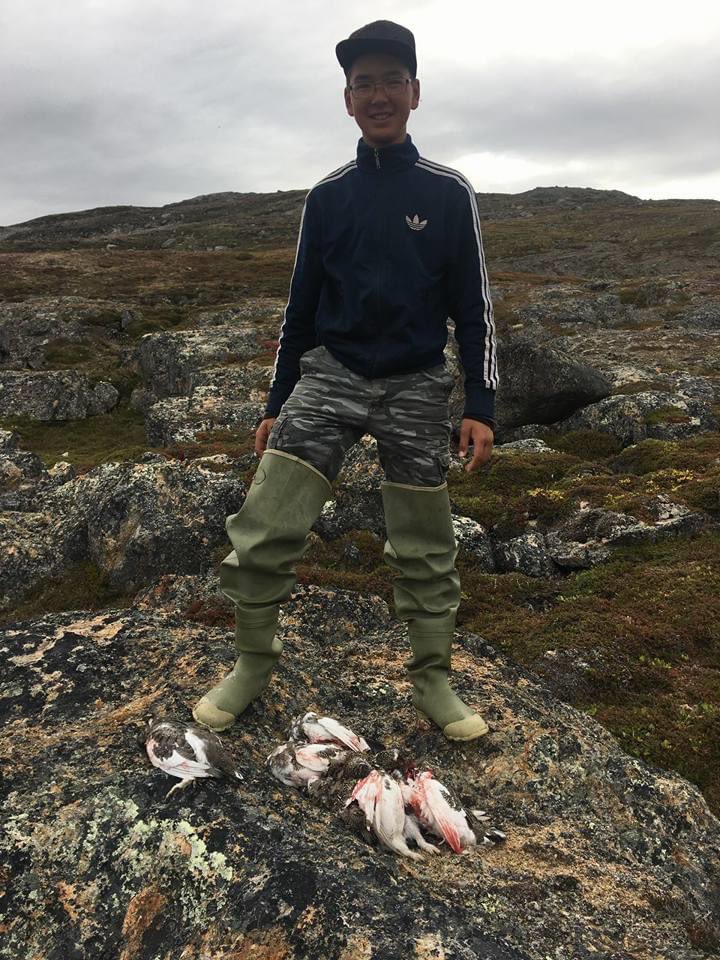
(54, 395)
(605, 857)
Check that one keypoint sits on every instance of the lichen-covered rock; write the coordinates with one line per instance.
(266, 312)
(179, 420)
(631, 418)
(34, 546)
(561, 304)
(168, 362)
(54, 395)
(24, 481)
(20, 473)
(219, 398)
(473, 540)
(605, 857)
(357, 501)
(28, 328)
(143, 519)
(527, 554)
(704, 316)
(589, 537)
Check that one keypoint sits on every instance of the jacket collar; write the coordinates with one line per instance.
(397, 156)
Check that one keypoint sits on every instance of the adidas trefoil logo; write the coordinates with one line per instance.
(416, 223)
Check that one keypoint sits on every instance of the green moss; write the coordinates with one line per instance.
(642, 386)
(586, 444)
(645, 457)
(667, 415)
(327, 564)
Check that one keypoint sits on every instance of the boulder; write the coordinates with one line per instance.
(142, 519)
(169, 362)
(539, 384)
(54, 395)
(631, 418)
(219, 398)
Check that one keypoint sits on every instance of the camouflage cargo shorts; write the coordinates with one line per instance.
(331, 408)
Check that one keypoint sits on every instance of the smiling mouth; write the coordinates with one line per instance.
(379, 117)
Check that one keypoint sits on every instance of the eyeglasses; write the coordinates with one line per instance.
(364, 89)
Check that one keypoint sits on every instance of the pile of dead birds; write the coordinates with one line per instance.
(383, 797)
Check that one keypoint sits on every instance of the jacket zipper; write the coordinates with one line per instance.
(378, 268)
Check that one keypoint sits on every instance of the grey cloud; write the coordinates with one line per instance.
(661, 108)
(145, 103)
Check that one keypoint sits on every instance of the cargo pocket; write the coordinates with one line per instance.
(277, 429)
(307, 358)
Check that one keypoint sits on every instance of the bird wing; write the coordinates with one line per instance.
(209, 746)
(365, 795)
(203, 748)
(169, 737)
(179, 765)
(336, 731)
(449, 818)
(429, 808)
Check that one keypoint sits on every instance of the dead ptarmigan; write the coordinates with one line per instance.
(300, 764)
(187, 751)
(310, 728)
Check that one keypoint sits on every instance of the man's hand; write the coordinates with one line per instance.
(481, 437)
(262, 434)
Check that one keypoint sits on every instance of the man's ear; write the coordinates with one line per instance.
(348, 103)
(416, 94)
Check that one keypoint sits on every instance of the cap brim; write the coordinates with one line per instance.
(347, 52)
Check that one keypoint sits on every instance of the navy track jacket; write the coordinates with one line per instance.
(389, 247)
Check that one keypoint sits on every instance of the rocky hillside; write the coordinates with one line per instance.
(136, 347)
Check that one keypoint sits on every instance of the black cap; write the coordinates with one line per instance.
(380, 36)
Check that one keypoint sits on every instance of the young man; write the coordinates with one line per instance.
(389, 247)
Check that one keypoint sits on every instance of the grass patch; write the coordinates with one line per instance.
(82, 586)
(654, 610)
(667, 415)
(510, 493)
(115, 436)
(352, 562)
(584, 444)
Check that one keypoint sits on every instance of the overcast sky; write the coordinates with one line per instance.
(148, 102)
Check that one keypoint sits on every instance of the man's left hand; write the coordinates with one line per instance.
(481, 437)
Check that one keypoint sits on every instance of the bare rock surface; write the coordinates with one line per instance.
(605, 858)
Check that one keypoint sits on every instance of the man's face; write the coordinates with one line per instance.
(382, 117)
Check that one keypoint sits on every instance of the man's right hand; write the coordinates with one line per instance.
(262, 434)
